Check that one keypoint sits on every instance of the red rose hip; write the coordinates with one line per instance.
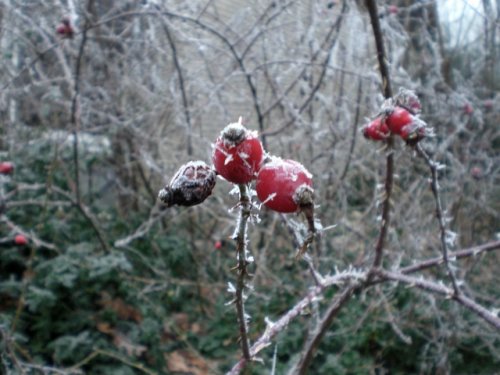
(6, 167)
(237, 154)
(398, 119)
(284, 185)
(376, 130)
(20, 240)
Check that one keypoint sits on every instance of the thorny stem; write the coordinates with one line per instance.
(312, 344)
(439, 215)
(473, 251)
(273, 329)
(436, 288)
(241, 247)
(386, 86)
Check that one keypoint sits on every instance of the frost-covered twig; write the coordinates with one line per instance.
(240, 236)
(75, 105)
(312, 344)
(143, 229)
(387, 91)
(433, 166)
(37, 242)
(473, 251)
(315, 293)
(274, 328)
(437, 288)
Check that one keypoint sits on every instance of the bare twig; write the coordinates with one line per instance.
(459, 254)
(354, 129)
(436, 288)
(143, 229)
(312, 344)
(387, 90)
(75, 105)
(439, 215)
(37, 242)
(274, 328)
(185, 104)
(315, 293)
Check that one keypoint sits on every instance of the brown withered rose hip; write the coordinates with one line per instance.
(191, 185)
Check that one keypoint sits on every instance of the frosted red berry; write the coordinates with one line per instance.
(393, 9)
(218, 244)
(65, 30)
(284, 185)
(6, 167)
(476, 172)
(398, 119)
(191, 185)
(20, 240)
(237, 154)
(376, 130)
(468, 109)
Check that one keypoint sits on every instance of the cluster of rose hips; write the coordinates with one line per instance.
(238, 156)
(399, 115)
(7, 168)
(65, 30)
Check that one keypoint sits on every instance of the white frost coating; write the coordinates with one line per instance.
(244, 158)
(229, 159)
(235, 190)
(230, 287)
(270, 197)
(179, 178)
(277, 163)
(450, 238)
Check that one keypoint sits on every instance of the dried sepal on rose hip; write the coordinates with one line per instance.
(191, 185)
(237, 154)
(408, 100)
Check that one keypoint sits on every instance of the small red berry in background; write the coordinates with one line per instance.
(237, 154)
(6, 167)
(218, 244)
(488, 104)
(20, 240)
(393, 9)
(191, 185)
(284, 185)
(468, 109)
(376, 130)
(65, 30)
(476, 173)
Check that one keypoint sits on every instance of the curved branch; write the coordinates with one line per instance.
(185, 105)
(436, 288)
